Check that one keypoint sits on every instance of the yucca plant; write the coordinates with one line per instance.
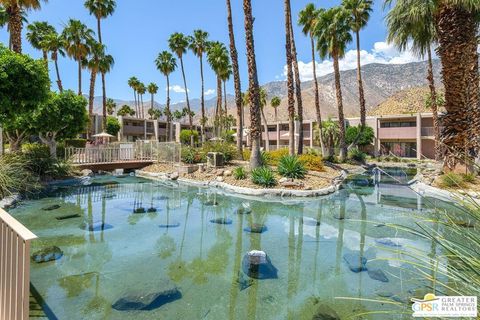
(239, 173)
(15, 176)
(264, 177)
(291, 167)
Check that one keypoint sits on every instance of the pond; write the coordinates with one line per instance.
(177, 252)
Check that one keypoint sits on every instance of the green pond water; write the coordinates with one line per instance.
(135, 255)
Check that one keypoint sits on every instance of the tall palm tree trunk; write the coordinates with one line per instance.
(433, 97)
(104, 102)
(15, 27)
(298, 89)
(265, 128)
(135, 102)
(91, 97)
(361, 93)
(169, 115)
(290, 81)
(152, 102)
(457, 37)
(253, 88)
(202, 102)
(57, 71)
(236, 80)
(341, 119)
(317, 97)
(79, 77)
(218, 115)
(45, 58)
(190, 120)
(225, 102)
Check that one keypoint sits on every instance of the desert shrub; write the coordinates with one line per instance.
(39, 162)
(272, 158)
(312, 162)
(227, 149)
(15, 176)
(239, 173)
(264, 177)
(451, 180)
(76, 143)
(357, 155)
(186, 136)
(246, 154)
(469, 177)
(291, 167)
(191, 155)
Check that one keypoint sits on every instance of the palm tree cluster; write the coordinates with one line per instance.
(77, 41)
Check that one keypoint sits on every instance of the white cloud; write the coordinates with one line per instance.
(210, 92)
(381, 52)
(177, 89)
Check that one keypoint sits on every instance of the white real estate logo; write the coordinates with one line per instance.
(445, 306)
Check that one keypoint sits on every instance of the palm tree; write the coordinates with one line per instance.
(141, 89)
(263, 103)
(198, 44)
(253, 87)
(308, 19)
(166, 64)
(412, 23)
(36, 34)
(105, 66)
(54, 43)
(236, 80)
(359, 11)
(275, 103)
(133, 83)
(179, 43)
(290, 81)
(152, 88)
(298, 86)
(217, 56)
(225, 76)
(333, 34)
(111, 106)
(15, 10)
(96, 52)
(77, 36)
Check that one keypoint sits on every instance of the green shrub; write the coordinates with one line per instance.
(291, 167)
(239, 173)
(186, 136)
(76, 143)
(451, 180)
(113, 126)
(312, 162)
(364, 139)
(273, 157)
(39, 162)
(357, 155)
(15, 176)
(246, 154)
(264, 177)
(191, 155)
(469, 177)
(228, 136)
(228, 150)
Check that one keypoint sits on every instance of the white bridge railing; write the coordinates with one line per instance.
(126, 152)
(14, 268)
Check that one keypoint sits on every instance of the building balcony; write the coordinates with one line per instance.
(429, 131)
(397, 133)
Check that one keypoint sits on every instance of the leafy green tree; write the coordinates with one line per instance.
(333, 34)
(113, 126)
(199, 44)
(166, 64)
(77, 37)
(36, 34)
(186, 136)
(62, 116)
(362, 136)
(24, 83)
(126, 110)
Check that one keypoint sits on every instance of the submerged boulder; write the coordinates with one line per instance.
(151, 210)
(243, 281)
(51, 208)
(47, 254)
(256, 228)
(256, 264)
(325, 313)
(221, 221)
(148, 301)
(377, 274)
(388, 242)
(139, 210)
(69, 216)
(96, 226)
(355, 262)
(170, 225)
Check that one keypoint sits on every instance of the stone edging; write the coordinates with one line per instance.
(250, 191)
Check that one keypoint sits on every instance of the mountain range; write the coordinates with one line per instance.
(380, 82)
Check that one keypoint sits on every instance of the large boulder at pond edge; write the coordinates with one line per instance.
(257, 265)
(47, 254)
(355, 262)
(149, 301)
(325, 313)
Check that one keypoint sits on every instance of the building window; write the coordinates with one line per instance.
(398, 124)
(400, 149)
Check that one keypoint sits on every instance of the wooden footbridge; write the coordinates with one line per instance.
(123, 155)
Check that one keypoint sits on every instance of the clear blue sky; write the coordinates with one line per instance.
(139, 30)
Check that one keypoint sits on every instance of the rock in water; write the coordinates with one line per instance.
(257, 265)
(377, 274)
(388, 242)
(139, 210)
(256, 228)
(148, 301)
(243, 281)
(96, 226)
(170, 225)
(221, 221)
(51, 208)
(152, 210)
(47, 254)
(325, 313)
(211, 203)
(243, 210)
(355, 262)
(70, 216)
